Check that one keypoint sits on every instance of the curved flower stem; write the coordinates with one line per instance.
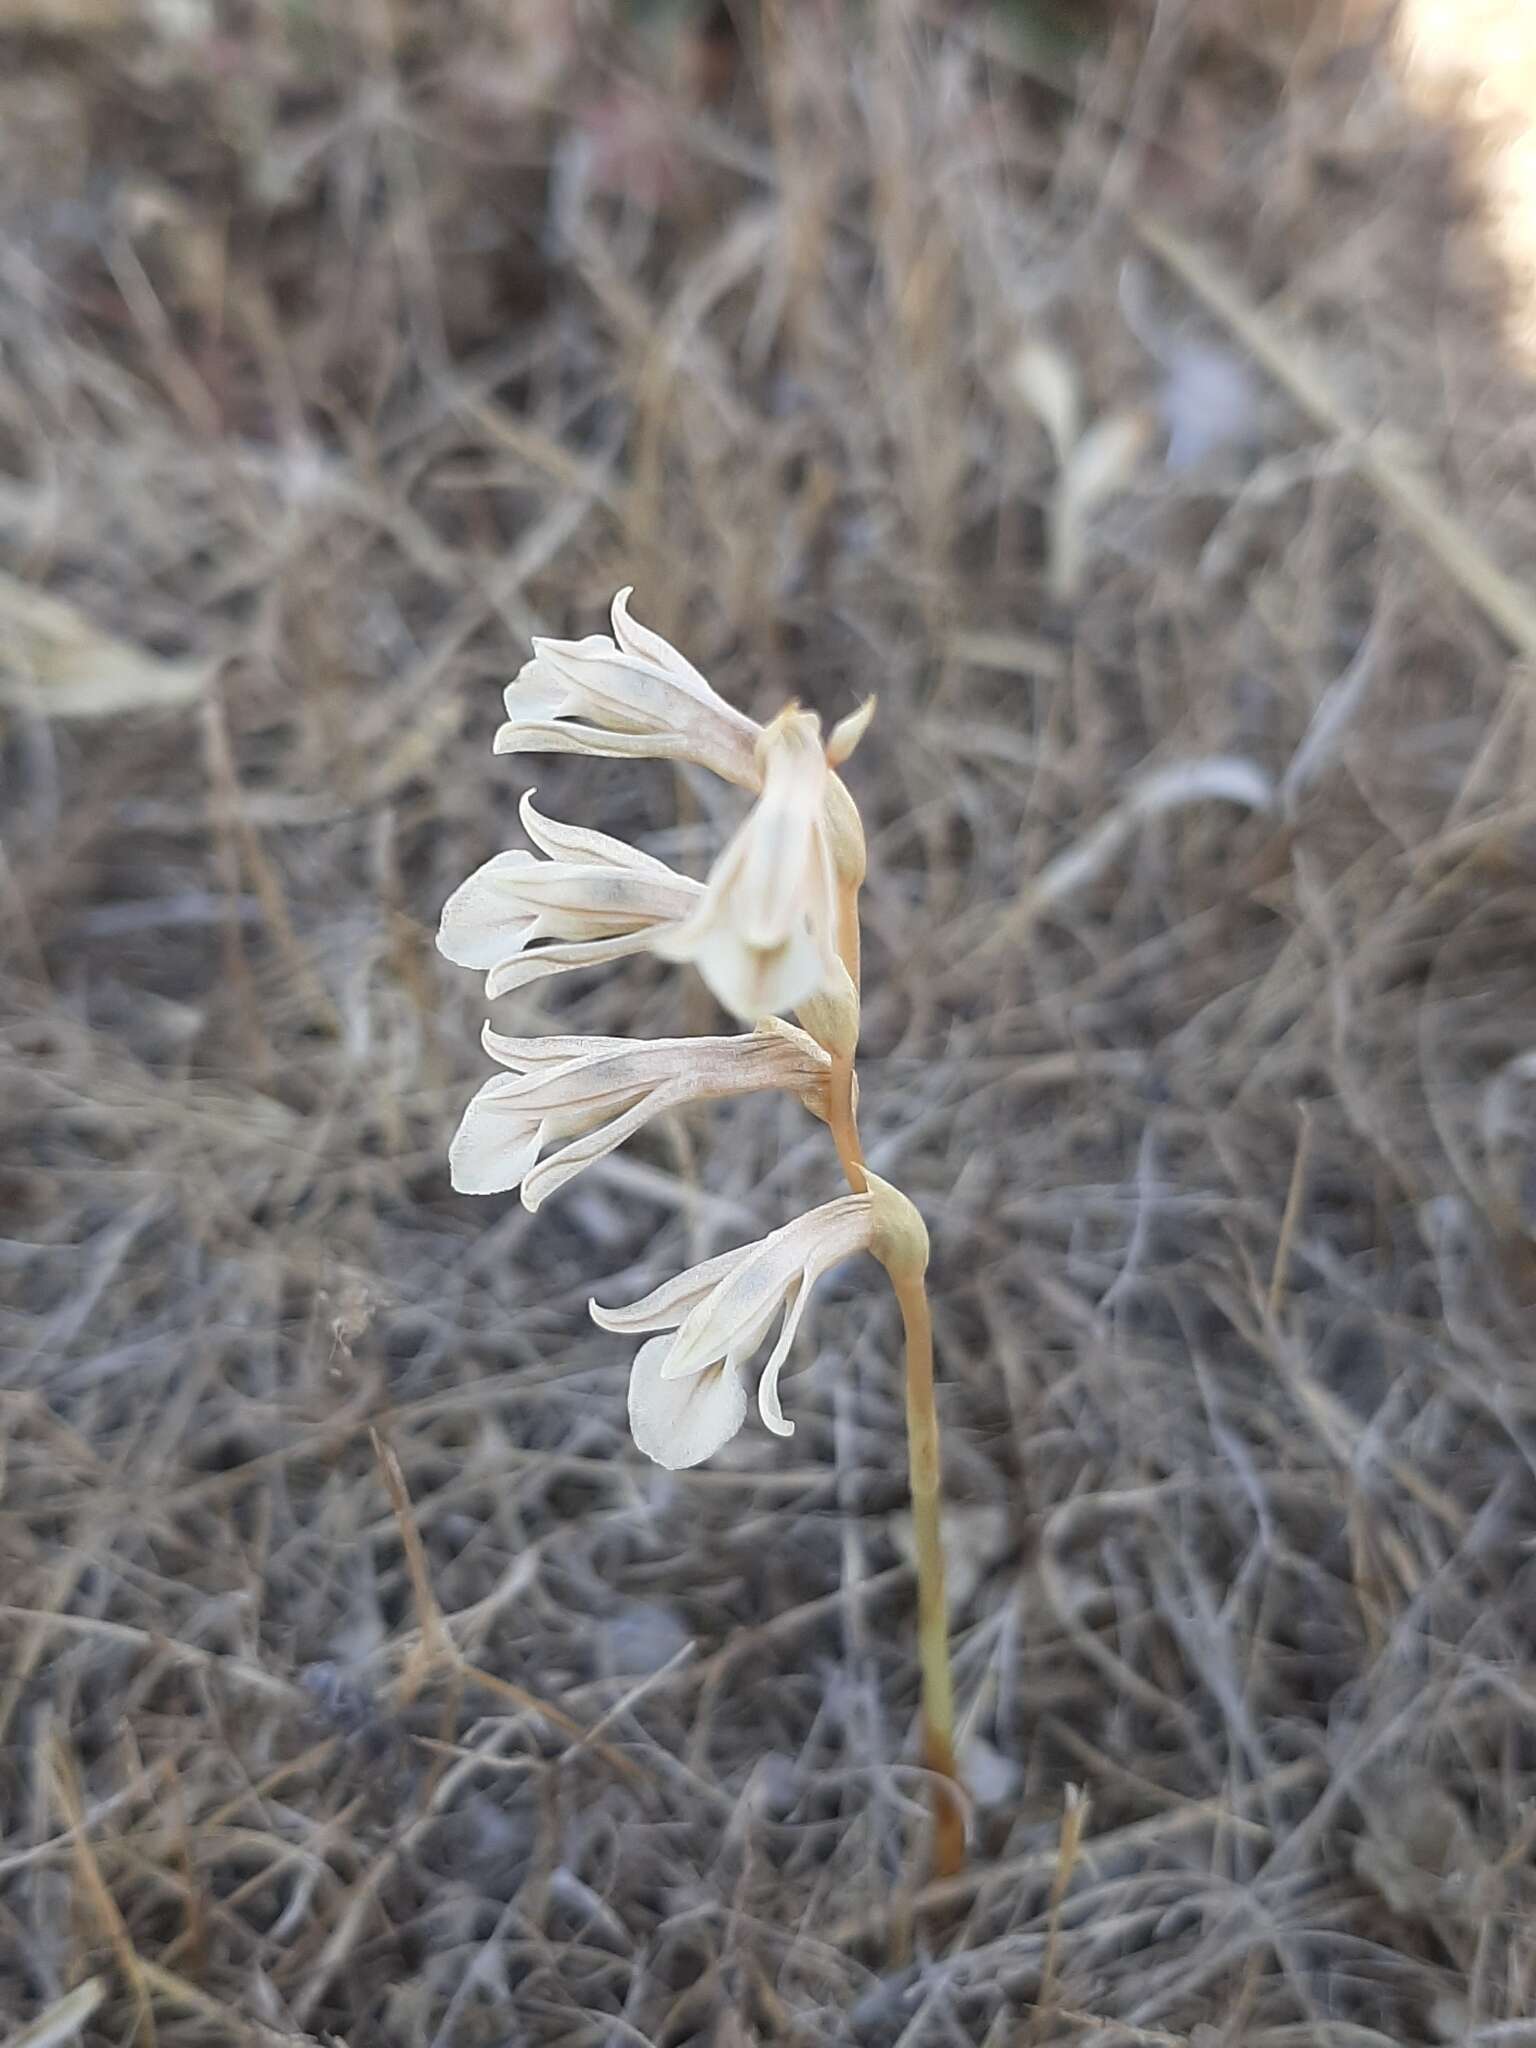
(937, 1686)
(938, 1696)
(842, 1117)
(844, 1123)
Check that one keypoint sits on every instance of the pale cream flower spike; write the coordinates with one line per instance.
(763, 932)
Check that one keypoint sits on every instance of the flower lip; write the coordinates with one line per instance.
(679, 1423)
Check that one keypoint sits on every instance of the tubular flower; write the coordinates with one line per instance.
(597, 1092)
(686, 1396)
(597, 898)
(765, 935)
(630, 695)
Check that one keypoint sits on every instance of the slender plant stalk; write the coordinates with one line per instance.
(849, 939)
(844, 1124)
(923, 1461)
(938, 1693)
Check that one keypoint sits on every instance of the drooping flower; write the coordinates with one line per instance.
(595, 897)
(633, 694)
(686, 1396)
(588, 1095)
(765, 934)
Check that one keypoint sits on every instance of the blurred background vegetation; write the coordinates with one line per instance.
(1137, 397)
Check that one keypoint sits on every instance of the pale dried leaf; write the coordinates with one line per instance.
(63, 2020)
(1098, 469)
(53, 659)
(1330, 721)
(1228, 778)
(1045, 379)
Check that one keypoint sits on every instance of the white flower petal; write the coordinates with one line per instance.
(537, 736)
(682, 1422)
(736, 1314)
(540, 690)
(610, 688)
(579, 843)
(768, 1405)
(640, 641)
(599, 1091)
(740, 1351)
(550, 1175)
(532, 1055)
(764, 935)
(847, 733)
(524, 968)
(495, 1144)
(748, 982)
(724, 1308)
(665, 1306)
(581, 902)
(487, 916)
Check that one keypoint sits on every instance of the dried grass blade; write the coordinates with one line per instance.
(1411, 496)
(96, 1889)
(1330, 721)
(1097, 469)
(55, 660)
(1228, 778)
(63, 2020)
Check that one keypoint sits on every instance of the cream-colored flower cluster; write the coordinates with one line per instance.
(773, 932)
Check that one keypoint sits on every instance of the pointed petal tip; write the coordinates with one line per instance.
(847, 733)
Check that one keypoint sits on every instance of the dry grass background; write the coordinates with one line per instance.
(339, 351)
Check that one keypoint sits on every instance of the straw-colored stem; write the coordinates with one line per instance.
(924, 1466)
(938, 1695)
(844, 1123)
(848, 944)
(842, 1116)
